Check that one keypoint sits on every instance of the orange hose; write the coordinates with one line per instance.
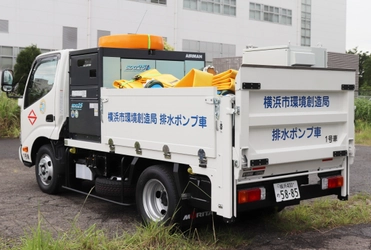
(132, 41)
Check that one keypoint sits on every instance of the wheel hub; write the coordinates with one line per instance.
(45, 170)
(155, 200)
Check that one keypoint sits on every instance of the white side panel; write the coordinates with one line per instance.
(181, 118)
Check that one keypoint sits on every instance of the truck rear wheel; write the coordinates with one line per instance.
(156, 195)
(46, 170)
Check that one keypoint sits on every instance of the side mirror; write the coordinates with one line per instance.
(7, 81)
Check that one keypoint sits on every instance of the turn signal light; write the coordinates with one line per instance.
(25, 149)
(250, 195)
(332, 182)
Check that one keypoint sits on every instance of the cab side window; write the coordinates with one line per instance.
(41, 80)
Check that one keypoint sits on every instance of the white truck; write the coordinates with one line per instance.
(285, 135)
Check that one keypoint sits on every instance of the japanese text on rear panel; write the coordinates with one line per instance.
(277, 102)
(296, 133)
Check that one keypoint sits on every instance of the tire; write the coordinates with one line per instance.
(108, 187)
(47, 170)
(156, 195)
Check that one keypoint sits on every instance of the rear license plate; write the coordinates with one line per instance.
(286, 191)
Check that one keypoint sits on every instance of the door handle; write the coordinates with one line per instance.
(50, 118)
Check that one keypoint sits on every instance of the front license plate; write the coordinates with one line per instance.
(286, 191)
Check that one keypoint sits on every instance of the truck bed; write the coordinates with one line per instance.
(282, 125)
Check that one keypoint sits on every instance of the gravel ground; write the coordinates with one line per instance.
(21, 201)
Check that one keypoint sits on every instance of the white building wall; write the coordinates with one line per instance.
(41, 22)
(329, 24)
(261, 33)
(121, 17)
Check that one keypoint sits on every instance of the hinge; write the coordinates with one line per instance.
(259, 162)
(232, 111)
(217, 108)
(251, 85)
(202, 158)
(166, 151)
(237, 110)
(111, 145)
(347, 86)
(216, 102)
(137, 147)
(340, 153)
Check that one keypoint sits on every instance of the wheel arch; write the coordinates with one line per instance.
(181, 176)
(57, 147)
(38, 143)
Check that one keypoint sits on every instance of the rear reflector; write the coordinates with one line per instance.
(258, 168)
(250, 195)
(332, 182)
(328, 159)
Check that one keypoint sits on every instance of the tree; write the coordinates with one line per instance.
(23, 66)
(364, 67)
(367, 72)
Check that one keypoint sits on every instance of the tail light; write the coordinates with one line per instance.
(332, 182)
(250, 195)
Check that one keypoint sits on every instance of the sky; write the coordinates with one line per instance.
(358, 31)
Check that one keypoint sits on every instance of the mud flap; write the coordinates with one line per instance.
(191, 217)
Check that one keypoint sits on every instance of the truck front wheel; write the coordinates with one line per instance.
(156, 195)
(46, 170)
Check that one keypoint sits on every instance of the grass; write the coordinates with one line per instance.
(9, 117)
(151, 236)
(320, 214)
(324, 214)
(363, 121)
(363, 132)
(363, 109)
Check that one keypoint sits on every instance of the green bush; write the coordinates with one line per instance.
(9, 117)
(363, 121)
(363, 109)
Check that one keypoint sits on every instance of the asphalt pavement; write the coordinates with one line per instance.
(22, 205)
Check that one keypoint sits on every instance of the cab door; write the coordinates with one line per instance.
(38, 111)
